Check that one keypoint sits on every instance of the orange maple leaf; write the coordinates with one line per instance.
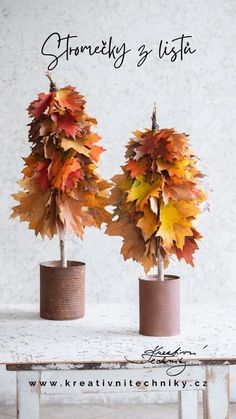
(64, 173)
(68, 98)
(95, 152)
(137, 167)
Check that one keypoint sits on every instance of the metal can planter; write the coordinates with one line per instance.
(62, 290)
(159, 306)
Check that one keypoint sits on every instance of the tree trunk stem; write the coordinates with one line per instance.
(63, 253)
(160, 264)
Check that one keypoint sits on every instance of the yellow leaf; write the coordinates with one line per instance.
(187, 208)
(174, 224)
(182, 231)
(142, 190)
(179, 168)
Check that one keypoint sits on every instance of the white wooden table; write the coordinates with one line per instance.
(101, 346)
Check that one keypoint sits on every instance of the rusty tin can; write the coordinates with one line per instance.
(62, 290)
(159, 306)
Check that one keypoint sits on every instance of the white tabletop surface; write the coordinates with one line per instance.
(110, 332)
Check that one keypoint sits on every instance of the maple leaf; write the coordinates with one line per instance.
(95, 152)
(148, 223)
(142, 190)
(149, 143)
(64, 173)
(91, 138)
(187, 208)
(42, 178)
(100, 214)
(73, 176)
(187, 252)
(38, 106)
(71, 216)
(36, 208)
(155, 143)
(67, 124)
(118, 227)
(181, 231)
(133, 245)
(148, 260)
(182, 168)
(177, 146)
(174, 224)
(66, 144)
(123, 182)
(137, 167)
(96, 202)
(30, 164)
(68, 98)
(181, 189)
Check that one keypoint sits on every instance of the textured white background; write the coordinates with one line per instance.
(196, 96)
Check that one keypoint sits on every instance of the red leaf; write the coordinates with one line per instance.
(38, 106)
(187, 253)
(72, 179)
(67, 124)
(42, 179)
(149, 143)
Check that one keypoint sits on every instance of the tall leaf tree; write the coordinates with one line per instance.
(61, 191)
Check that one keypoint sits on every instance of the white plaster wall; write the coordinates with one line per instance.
(196, 96)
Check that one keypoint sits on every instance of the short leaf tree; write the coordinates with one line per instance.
(157, 199)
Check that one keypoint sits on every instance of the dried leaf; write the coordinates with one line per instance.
(38, 106)
(137, 168)
(142, 190)
(148, 223)
(68, 98)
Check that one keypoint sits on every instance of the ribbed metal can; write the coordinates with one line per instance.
(159, 306)
(62, 290)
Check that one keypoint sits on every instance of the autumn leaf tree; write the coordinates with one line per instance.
(61, 191)
(157, 199)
